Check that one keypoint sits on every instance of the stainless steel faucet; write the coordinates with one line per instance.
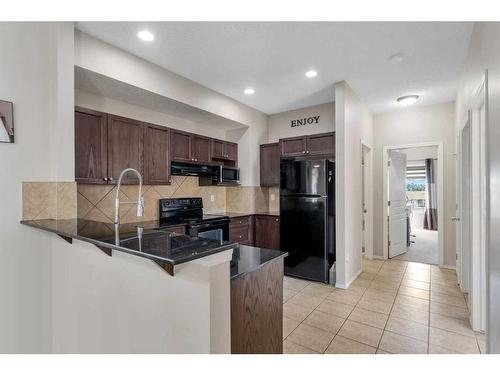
(140, 199)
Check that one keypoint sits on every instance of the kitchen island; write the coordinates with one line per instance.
(125, 303)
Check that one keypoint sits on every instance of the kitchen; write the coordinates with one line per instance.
(168, 217)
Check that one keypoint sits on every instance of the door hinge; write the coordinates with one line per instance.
(388, 203)
(389, 242)
(389, 163)
(456, 256)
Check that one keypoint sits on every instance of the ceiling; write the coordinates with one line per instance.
(272, 57)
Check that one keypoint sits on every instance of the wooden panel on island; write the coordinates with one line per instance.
(257, 311)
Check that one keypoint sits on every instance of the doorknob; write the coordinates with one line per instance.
(454, 218)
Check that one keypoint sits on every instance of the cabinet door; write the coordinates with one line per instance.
(180, 145)
(90, 146)
(293, 146)
(321, 144)
(267, 232)
(218, 149)
(200, 149)
(124, 148)
(232, 151)
(270, 165)
(156, 155)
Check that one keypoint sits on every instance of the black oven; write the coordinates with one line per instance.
(217, 229)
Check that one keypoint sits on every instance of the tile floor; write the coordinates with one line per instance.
(392, 307)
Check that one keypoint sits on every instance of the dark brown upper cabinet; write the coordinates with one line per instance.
(156, 155)
(294, 146)
(180, 145)
(222, 150)
(321, 144)
(267, 231)
(270, 164)
(125, 147)
(201, 149)
(316, 144)
(91, 155)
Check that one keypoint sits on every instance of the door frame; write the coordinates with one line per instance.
(368, 180)
(440, 193)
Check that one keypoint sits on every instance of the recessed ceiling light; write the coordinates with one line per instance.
(145, 35)
(249, 91)
(311, 73)
(407, 100)
(396, 58)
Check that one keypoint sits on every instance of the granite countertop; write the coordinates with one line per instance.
(247, 259)
(241, 214)
(158, 245)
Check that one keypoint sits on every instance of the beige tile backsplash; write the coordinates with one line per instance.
(65, 200)
(274, 205)
(49, 200)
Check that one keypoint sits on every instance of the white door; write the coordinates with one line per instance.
(465, 208)
(397, 204)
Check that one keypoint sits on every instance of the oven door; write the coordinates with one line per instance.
(214, 230)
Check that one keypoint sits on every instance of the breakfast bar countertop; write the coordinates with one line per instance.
(142, 239)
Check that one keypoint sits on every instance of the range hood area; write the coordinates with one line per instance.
(192, 169)
(209, 174)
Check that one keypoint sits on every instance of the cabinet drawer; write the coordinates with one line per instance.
(239, 234)
(244, 220)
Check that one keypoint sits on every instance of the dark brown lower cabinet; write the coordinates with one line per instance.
(241, 230)
(267, 231)
(257, 311)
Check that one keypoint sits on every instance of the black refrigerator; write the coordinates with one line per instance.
(307, 217)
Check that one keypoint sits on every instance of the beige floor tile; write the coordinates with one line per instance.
(444, 282)
(361, 283)
(415, 265)
(417, 277)
(452, 290)
(296, 312)
(397, 344)
(311, 337)
(327, 322)
(481, 341)
(320, 286)
(453, 341)
(295, 284)
(356, 289)
(380, 295)
(384, 287)
(344, 296)
(288, 293)
(380, 351)
(458, 301)
(307, 300)
(416, 284)
(316, 291)
(436, 349)
(288, 326)
(361, 333)
(391, 273)
(292, 348)
(414, 292)
(416, 303)
(418, 271)
(367, 275)
(408, 328)
(393, 281)
(461, 326)
(335, 308)
(409, 313)
(343, 345)
(449, 310)
(368, 317)
(375, 305)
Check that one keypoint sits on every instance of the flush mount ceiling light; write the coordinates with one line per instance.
(407, 100)
(396, 58)
(311, 73)
(145, 35)
(249, 91)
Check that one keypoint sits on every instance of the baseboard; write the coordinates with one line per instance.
(448, 267)
(381, 257)
(348, 284)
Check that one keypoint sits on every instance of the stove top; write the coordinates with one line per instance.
(185, 211)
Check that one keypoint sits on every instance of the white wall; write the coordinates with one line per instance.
(417, 125)
(353, 125)
(97, 56)
(116, 107)
(279, 124)
(35, 78)
(483, 54)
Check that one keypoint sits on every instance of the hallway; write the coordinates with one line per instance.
(392, 307)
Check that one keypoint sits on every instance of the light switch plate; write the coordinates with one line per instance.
(212, 198)
(273, 197)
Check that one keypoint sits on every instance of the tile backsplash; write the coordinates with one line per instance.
(49, 200)
(96, 202)
(249, 199)
(274, 205)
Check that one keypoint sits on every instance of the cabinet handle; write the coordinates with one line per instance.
(110, 179)
(277, 219)
(105, 179)
(307, 151)
(241, 236)
(304, 152)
